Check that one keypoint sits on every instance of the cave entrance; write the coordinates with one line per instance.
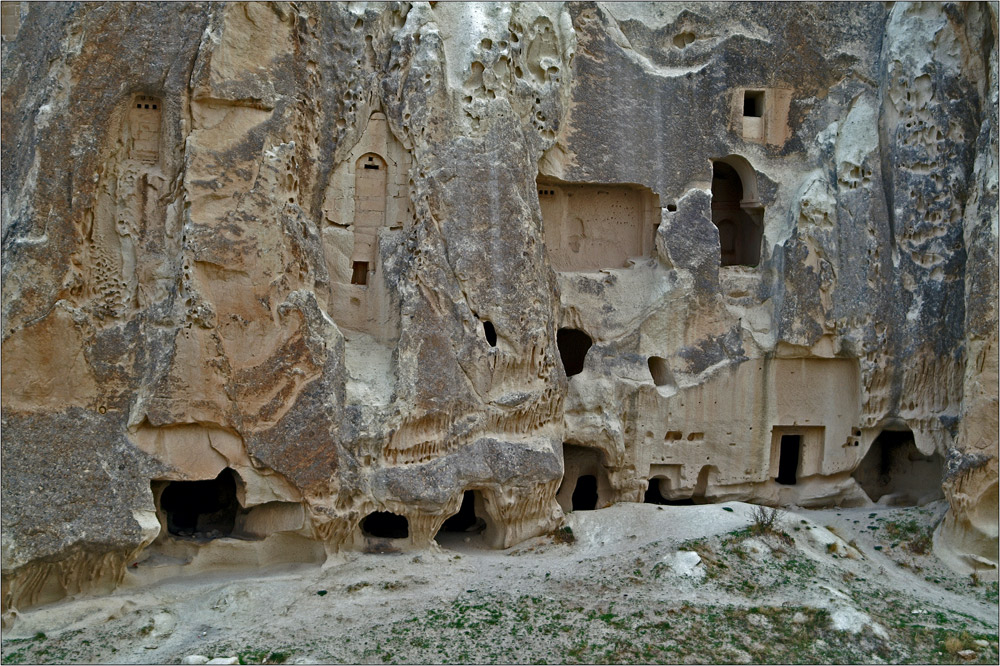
(470, 527)
(201, 509)
(585, 485)
(654, 495)
(895, 472)
(466, 519)
(788, 459)
(385, 525)
(573, 347)
(659, 371)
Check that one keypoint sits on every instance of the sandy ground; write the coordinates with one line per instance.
(630, 583)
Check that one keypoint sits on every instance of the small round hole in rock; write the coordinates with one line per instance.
(491, 333)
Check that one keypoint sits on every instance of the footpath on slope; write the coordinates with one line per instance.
(631, 583)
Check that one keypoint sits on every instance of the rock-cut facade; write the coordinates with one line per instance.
(283, 280)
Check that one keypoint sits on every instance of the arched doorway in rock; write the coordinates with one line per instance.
(585, 484)
(736, 211)
(472, 524)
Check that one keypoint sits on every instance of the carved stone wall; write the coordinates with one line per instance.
(354, 262)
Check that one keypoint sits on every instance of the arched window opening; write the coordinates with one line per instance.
(573, 347)
(736, 213)
(660, 371)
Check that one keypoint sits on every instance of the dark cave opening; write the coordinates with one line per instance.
(788, 459)
(201, 508)
(385, 525)
(585, 493)
(491, 333)
(573, 347)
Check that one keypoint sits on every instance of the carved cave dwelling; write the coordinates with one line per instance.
(295, 279)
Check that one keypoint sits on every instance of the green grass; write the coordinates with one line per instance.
(531, 629)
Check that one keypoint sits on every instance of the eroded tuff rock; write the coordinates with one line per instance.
(284, 279)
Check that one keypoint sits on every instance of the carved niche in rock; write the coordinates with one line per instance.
(144, 129)
(761, 114)
(589, 227)
(366, 204)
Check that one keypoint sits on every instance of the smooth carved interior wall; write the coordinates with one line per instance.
(369, 206)
(366, 203)
(592, 227)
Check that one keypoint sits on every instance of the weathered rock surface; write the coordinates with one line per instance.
(281, 279)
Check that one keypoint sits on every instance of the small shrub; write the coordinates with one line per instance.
(953, 644)
(564, 535)
(765, 520)
(921, 544)
(251, 656)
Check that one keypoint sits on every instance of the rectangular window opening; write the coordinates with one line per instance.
(360, 275)
(372, 166)
(753, 103)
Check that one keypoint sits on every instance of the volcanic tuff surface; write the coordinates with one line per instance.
(282, 280)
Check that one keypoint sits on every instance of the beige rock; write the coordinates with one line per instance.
(282, 280)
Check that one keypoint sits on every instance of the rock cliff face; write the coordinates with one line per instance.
(286, 279)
